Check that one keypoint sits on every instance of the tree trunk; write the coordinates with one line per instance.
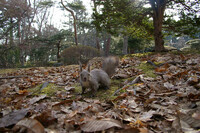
(42, 20)
(107, 50)
(97, 32)
(158, 37)
(158, 7)
(97, 41)
(22, 60)
(11, 32)
(19, 32)
(58, 51)
(72, 13)
(125, 45)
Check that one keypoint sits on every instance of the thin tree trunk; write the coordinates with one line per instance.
(22, 60)
(58, 51)
(97, 41)
(41, 22)
(97, 32)
(19, 32)
(6, 42)
(107, 50)
(11, 32)
(72, 13)
(125, 45)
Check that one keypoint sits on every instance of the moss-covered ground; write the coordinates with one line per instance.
(49, 90)
(4, 71)
(147, 69)
(102, 93)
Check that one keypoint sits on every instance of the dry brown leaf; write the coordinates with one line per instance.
(149, 101)
(29, 125)
(36, 99)
(160, 69)
(196, 115)
(121, 76)
(13, 117)
(72, 114)
(146, 116)
(46, 118)
(191, 121)
(193, 80)
(100, 125)
(22, 91)
(123, 95)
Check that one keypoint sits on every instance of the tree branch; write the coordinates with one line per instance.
(72, 13)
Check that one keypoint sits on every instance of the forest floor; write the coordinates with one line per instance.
(149, 93)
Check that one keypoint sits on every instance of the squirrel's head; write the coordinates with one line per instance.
(85, 76)
(85, 73)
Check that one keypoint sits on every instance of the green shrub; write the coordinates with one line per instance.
(10, 57)
(81, 53)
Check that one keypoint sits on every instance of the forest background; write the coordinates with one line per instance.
(156, 84)
(30, 36)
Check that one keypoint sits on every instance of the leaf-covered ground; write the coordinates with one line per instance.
(149, 93)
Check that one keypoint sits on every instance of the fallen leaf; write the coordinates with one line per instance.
(69, 88)
(160, 69)
(36, 99)
(191, 121)
(121, 76)
(146, 116)
(29, 125)
(168, 85)
(100, 125)
(13, 117)
(46, 118)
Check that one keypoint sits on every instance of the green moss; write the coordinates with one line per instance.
(158, 63)
(78, 88)
(4, 71)
(102, 94)
(35, 90)
(50, 89)
(138, 54)
(147, 69)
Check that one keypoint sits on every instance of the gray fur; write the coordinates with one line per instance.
(93, 79)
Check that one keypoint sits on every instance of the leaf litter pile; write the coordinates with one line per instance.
(154, 93)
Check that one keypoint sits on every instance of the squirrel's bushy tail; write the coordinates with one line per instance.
(110, 64)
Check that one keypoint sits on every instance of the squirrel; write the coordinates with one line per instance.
(96, 77)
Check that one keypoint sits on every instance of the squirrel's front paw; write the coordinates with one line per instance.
(106, 88)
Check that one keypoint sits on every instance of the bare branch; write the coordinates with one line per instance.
(72, 13)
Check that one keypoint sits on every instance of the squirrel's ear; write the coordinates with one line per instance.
(80, 65)
(88, 68)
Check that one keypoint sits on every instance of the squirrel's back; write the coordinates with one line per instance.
(100, 76)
